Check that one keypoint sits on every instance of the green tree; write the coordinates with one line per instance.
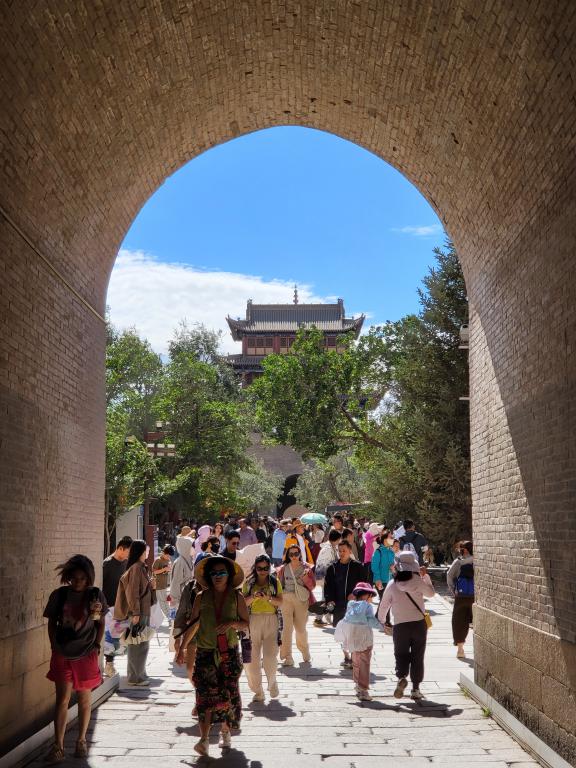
(333, 480)
(133, 376)
(315, 399)
(129, 468)
(203, 345)
(424, 470)
(393, 399)
(257, 489)
(206, 424)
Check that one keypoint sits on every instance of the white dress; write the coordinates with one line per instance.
(353, 637)
(354, 631)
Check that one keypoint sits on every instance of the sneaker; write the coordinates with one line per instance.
(258, 697)
(225, 741)
(201, 747)
(143, 683)
(273, 690)
(416, 694)
(288, 662)
(109, 669)
(363, 695)
(400, 687)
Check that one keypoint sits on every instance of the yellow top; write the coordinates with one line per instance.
(261, 604)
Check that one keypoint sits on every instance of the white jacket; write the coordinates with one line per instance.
(182, 570)
(454, 571)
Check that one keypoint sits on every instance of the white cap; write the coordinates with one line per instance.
(407, 561)
(375, 529)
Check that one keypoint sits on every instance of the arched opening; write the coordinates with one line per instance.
(230, 234)
(471, 107)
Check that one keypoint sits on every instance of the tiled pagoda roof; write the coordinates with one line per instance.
(288, 318)
(246, 362)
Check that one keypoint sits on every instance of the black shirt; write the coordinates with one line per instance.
(341, 580)
(76, 633)
(228, 554)
(417, 541)
(112, 572)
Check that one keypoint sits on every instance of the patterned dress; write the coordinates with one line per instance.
(216, 673)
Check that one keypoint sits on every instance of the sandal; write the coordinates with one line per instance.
(81, 748)
(55, 755)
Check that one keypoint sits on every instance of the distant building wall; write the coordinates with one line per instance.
(279, 459)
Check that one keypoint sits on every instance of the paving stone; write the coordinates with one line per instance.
(317, 722)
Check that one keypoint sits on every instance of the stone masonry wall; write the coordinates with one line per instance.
(520, 659)
(473, 103)
(52, 466)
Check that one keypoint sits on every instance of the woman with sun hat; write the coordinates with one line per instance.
(218, 614)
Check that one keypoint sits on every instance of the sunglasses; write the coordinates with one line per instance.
(218, 574)
(263, 569)
(294, 554)
(234, 543)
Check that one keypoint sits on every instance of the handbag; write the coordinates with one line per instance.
(426, 615)
(137, 634)
(318, 608)
(245, 647)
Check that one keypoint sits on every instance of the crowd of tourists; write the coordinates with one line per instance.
(237, 596)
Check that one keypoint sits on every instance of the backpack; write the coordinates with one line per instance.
(409, 547)
(465, 581)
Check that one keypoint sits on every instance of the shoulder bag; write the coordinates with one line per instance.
(426, 615)
(245, 640)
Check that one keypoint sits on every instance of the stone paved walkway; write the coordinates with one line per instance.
(317, 720)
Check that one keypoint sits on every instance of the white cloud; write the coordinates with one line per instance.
(420, 231)
(153, 297)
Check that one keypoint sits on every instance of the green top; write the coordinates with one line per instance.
(206, 635)
(261, 604)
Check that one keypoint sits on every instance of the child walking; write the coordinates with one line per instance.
(75, 614)
(354, 633)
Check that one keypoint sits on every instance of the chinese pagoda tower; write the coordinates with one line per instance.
(271, 329)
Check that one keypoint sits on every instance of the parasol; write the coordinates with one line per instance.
(311, 518)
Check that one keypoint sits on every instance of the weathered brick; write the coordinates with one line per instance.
(101, 101)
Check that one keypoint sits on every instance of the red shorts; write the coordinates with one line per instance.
(83, 673)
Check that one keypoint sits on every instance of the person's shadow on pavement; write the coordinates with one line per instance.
(231, 758)
(273, 710)
(426, 708)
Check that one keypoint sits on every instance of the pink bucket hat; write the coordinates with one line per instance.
(363, 586)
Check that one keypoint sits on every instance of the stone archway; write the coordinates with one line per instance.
(474, 104)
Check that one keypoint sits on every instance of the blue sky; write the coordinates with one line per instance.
(251, 217)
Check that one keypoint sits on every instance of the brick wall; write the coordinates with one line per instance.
(474, 104)
(52, 468)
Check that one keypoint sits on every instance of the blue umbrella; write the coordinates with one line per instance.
(310, 518)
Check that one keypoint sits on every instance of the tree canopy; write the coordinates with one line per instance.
(392, 398)
(195, 396)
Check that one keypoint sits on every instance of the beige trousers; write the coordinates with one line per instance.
(264, 636)
(295, 616)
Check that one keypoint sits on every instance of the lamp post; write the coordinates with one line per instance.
(157, 448)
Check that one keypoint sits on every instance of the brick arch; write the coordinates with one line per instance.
(474, 105)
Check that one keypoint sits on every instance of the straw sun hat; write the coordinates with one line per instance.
(200, 569)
